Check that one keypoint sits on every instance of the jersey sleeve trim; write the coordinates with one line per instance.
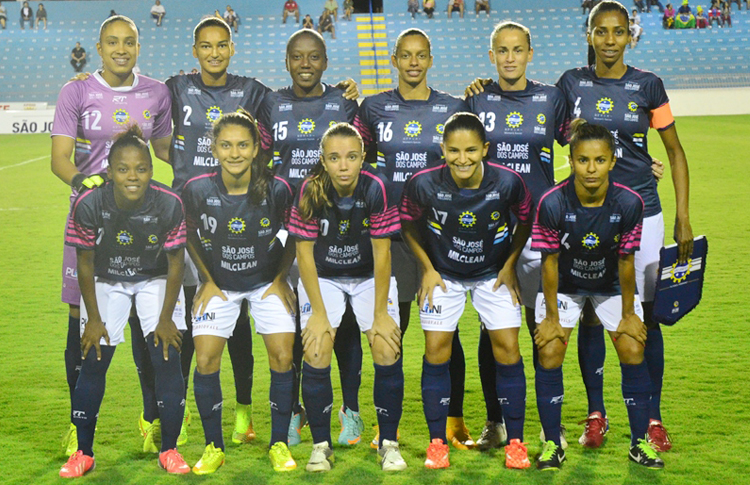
(661, 118)
(77, 234)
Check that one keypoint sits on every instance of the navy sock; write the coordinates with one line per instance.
(348, 348)
(240, 346)
(318, 396)
(436, 391)
(88, 395)
(170, 391)
(511, 394)
(458, 378)
(145, 369)
(188, 347)
(591, 354)
(388, 397)
(488, 374)
(636, 389)
(549, 400)
(654, 357)
(208, 399)
(280, 398)
(73, 354)
(297, 354)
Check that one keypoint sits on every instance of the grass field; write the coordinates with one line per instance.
(705, 401)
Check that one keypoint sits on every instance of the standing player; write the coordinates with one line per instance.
(292, 121)
(88, 114)
(343, 220)
(130, 238)
(198, 101)
(522, 118)
(402, 130)
(588, 231)
(233, 216)
(627, 101)
(457, 220)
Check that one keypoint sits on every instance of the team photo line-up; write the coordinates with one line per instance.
(323, 218)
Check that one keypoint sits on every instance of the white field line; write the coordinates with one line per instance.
(24, 162)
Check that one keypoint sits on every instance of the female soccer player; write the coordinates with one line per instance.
(457, 220)
(88, 114)
(402, 130)
(292, 121)
(198, 101)
(130, 238)
(588, 231)
(627, 101)
(233, 216)
(343, 219)
(521, 129)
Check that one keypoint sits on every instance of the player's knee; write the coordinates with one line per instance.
(207, 363)
(382, 353)
(505, 347)
(629, 350)
(280, 360)
(552, 354)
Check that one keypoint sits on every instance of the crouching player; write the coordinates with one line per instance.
(588, 231)
(343, 220)
(456, 219)
(129, 238)
(233, 215)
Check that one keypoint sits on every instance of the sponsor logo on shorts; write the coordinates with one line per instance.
(206, 317)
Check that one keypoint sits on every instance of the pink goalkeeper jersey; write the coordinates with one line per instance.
(92, 112)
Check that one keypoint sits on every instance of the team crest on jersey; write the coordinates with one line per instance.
(265, 222)
(121, 116)
(617, 238)
(146, 114)
(540, 129)
(236, 225)
(541, 119)
(514, 119)
(495, 215)
(590, 241)
(467, 219)
(306, 126)
(440, 128)
(605, 105)
(632, 106)
(344, 226)
(332, 123)
(632, 116)
(153, 239)
(366, 222)
(213, 114)
(413, 128)
(124, 238)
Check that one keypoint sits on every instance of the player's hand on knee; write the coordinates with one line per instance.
(548, 330)
(282, 289)
(476, 86)
(92, 335)
(318, 329)
(430, 280)
(204, 294)
(632, 326)
(167, 333)
(385, 327)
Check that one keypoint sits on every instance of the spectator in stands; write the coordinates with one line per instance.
(333, 7)
(112, 13)
(429, 7)
(290, 8)
(78, 57)
(41, 16)
(3, 16)
(325, 23)
(684, 8)
(640, 5)
(636, 17)
(650, 3)
(158, 12)
(454, 5)
(194, 71)
(667, 20)
(27, 15)
(412, 6)
(701, 21)
(714, 15)
(231, 18)
(684, 21)
(349, 8)
(182, 72)
(480, 5)
(635, 33)
(726, 14)
(307, 22)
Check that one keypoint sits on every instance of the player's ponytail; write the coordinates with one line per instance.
(315, 195)
(581, 130)
(260, 174)
(131, 137)
(603, 7)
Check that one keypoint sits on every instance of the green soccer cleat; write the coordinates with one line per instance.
(183, 438)
(70, 440)
(243, 424)
(151, 435)
(644, 454)
(552, 457)
(211, 460)
(281, 458)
